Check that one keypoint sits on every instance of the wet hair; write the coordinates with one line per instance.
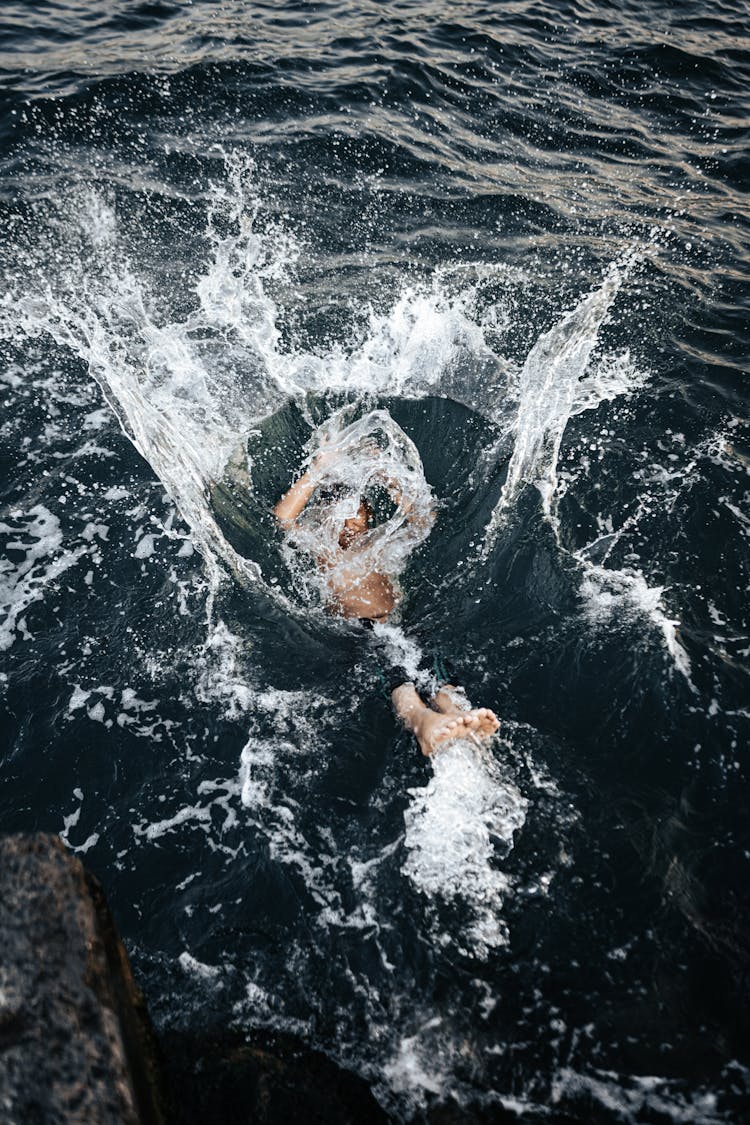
(369, 511)
(332, 493)
(378, 505)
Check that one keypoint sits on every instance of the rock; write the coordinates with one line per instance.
(75, 1041)
(264, 1078)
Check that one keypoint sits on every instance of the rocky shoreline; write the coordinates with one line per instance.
(76, 1041)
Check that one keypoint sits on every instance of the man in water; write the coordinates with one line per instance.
(358, 591)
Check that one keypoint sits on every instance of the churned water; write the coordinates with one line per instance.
(497, 254)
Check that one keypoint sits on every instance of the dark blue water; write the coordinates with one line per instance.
(523, 230)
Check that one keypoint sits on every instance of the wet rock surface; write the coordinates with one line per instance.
(75, 1041)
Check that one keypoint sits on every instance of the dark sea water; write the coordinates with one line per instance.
(521, 228)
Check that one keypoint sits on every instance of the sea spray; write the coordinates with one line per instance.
(549, 392)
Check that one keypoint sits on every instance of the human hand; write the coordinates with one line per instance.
(324, 457)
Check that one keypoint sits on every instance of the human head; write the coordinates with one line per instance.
(357, 525)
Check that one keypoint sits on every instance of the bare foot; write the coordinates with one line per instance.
(452, 701)
(431, 728)
(487, 721)
(450, 722)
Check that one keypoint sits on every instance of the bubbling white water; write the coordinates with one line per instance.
(457, 826)
(38, 537)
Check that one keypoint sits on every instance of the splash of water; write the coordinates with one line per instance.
(607, 594)
(353, 458)
(455, 827)
(187, 392)
(551, 389)
(558, 381)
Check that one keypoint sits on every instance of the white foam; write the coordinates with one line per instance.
(457, 828)
(632, 1097)
(275, 813)
(90, 842)
(414, 1070)
(193, 814)
(609, 594)
(97, 712)
(38, 535)
(144, 547)
(191, 965)
(221, 674)
(78, 699)
(71, 821)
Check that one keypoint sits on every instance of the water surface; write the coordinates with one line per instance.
(521, 231)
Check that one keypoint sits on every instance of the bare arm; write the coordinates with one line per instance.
(293, 501)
